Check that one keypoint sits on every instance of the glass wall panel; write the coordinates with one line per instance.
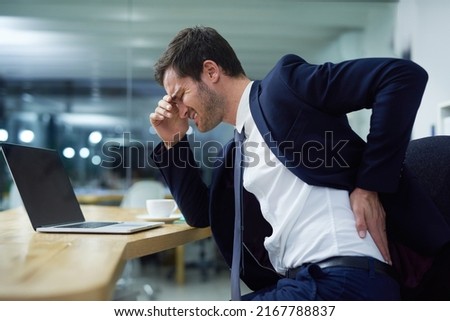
(77, 75)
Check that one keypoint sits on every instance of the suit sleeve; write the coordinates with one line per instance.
(392, 88)
(182, 174)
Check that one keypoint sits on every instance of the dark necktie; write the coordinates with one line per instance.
(237, 240)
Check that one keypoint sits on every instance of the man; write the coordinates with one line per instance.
(315, 193)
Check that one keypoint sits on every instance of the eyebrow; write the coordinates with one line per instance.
(175, 96)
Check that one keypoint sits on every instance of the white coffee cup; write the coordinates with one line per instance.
(160, 207)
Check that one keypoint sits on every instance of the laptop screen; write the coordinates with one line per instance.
(43, 184)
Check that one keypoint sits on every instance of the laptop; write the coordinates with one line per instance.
(48, 196)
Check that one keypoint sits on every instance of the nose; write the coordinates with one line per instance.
(183, 110)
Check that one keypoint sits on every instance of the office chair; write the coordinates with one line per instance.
(135, 197)
(429, 159)
(141, 191)
(129, 286)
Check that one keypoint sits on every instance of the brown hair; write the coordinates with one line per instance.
(191, 47)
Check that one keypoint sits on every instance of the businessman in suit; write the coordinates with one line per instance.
(327, 216)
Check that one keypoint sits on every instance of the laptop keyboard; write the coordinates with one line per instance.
(90, 224)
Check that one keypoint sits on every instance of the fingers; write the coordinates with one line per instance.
(155, 118)
(375, 225)
(360, 222)
(164, 107)
(163, 110)
(358, 208)
(168, 122)
(370, 217)
(377, 230)
(380, 238)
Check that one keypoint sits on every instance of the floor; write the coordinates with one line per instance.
(152, 278)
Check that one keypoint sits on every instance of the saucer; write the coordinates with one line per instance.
(169, 219)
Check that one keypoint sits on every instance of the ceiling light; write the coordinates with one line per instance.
(69, 152)
(3, 135)
(95, 137)
(26, 136)
(96, 160)
(84, 152)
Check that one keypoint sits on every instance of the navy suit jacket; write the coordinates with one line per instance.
(301, 111)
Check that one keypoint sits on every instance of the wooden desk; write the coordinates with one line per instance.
(98, 197)
(48, 266)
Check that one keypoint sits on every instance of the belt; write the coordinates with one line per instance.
(359, 262)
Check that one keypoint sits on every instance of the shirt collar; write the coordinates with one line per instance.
(243, 111)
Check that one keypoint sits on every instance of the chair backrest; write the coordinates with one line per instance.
(429, 159)
(141, 191)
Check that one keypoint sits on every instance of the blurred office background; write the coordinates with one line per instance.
(77, 75)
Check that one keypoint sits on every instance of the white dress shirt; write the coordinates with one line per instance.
(310, 223)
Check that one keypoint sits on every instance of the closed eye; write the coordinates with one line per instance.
(177, 99)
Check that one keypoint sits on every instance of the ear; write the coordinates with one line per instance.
(211, 71)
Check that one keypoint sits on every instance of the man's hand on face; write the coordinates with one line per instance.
(167, 122)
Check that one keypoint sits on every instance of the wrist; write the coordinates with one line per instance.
(363, 192)
(175, 140)
(168, 144)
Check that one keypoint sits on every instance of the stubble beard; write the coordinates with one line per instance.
(212, 108)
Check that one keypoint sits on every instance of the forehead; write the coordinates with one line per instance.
(173, 84)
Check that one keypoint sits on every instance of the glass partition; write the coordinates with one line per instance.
(77, 76)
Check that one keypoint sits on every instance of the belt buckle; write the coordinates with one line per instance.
(292, 273)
